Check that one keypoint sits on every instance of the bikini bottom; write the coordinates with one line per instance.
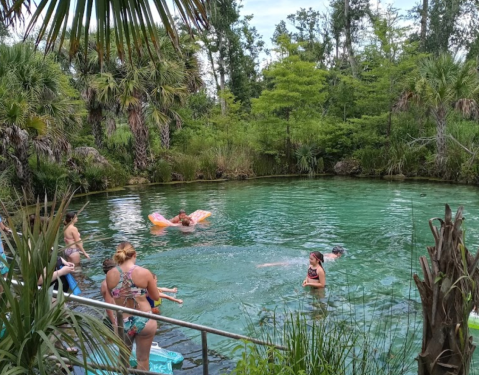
(71, 250)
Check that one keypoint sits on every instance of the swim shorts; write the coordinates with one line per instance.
(134, 325)
(3, 264)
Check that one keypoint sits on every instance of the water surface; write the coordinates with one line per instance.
(382, 225)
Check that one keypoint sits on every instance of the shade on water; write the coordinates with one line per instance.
(382, 225)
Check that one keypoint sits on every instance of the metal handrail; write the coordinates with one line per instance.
(203, 329)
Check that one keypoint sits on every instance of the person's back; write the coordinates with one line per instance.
(129, 285)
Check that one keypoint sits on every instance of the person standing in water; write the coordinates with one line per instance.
(129, 285)
(316, 276)
(72, 239)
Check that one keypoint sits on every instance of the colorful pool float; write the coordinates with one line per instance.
(160, 221)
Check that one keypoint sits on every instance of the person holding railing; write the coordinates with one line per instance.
(129, 285)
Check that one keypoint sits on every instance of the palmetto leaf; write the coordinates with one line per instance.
(131, 20)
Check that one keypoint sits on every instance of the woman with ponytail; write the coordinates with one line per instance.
(72, 239)
(316, 276)
(129, 286)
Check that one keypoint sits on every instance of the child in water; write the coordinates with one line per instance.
(154, 304)
(316, 276)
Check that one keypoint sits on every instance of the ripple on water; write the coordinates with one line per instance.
(382, 225)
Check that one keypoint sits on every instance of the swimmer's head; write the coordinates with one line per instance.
(124, 252)
(108, 264)
(69, 217)
(338, 250)
(318, 256)
(186, 222)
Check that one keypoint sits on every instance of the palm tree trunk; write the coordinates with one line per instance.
(139, 130)
(439, 115)
(165, 136)
(95, 116)
(20, 143)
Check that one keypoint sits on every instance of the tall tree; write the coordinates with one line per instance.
(36, 104)
(444, 85)
(296, 90)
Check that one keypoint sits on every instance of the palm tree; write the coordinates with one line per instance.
(444, 85)
(36, 104)
(131, 22)
(149, 91)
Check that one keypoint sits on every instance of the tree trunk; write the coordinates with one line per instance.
(349, 43)
(448, 293)
(139, 130)
(165, 136)
(21, 144)
(95, 115)
(425, 9)
(222, 71)
(440, 115)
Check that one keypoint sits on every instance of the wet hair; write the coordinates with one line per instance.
(338, 250)
(69, 217)
(186, 222)
(318, 256)
(108, 264)
(124, 252)
(182, 212)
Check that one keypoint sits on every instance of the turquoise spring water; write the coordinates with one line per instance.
(382, 225)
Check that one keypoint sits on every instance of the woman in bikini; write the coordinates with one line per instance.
(316, 276)
(129, 286)
(72, 239)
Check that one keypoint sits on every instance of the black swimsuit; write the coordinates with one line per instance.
(312, 273)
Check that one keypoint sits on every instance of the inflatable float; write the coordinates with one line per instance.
(473, 321)
(160, 221)
(161, 360)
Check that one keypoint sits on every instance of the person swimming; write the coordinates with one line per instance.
(316, 277)
(336, 253)
(180, 217)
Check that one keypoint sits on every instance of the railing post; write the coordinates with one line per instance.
(124, 357)
(204, 350)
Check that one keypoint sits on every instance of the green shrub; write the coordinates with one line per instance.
(186, 166)
(160, 171)
(208, 165)
(234, 161)
(49, 177)
(267, 165)
(372, 159)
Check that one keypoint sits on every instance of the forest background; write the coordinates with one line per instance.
(353, 89)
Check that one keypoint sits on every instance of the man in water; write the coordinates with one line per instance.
(178, 218)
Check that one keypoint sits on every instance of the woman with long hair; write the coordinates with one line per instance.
(129, 286)
(72, 239)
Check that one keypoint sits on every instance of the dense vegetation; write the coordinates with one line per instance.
(352, 84)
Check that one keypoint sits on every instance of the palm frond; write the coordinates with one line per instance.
(131, 21)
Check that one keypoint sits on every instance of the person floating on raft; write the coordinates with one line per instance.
(181, 219)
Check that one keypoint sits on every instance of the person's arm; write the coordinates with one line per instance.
(109, 299)
(175, 220)
(151, 287)
(167, 290)
(56, 274)
(78, 241)
(4, 227)
(166, 296)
